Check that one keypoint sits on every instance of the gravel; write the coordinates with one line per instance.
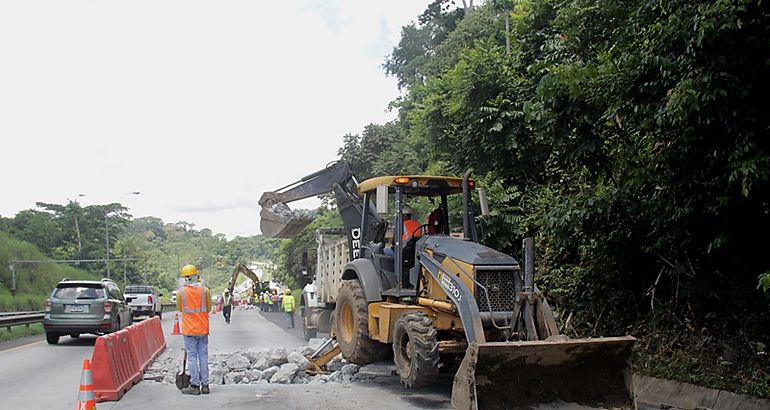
(277, 366)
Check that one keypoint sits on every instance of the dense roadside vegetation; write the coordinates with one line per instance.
(630, 138)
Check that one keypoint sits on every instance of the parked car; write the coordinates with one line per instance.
(144, 300)
(85, 306)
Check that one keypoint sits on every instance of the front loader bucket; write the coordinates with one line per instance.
(278, 221)
(513, 375)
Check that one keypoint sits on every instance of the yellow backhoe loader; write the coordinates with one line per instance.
(437, 298)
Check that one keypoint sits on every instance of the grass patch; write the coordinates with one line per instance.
(21, 331)
(713, 355)
(21, 303)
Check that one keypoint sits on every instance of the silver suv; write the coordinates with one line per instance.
(85, 306)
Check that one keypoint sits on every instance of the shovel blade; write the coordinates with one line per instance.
(182, 380)
(510, 375)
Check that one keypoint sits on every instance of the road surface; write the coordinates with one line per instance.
(41, 376)
(36, 375)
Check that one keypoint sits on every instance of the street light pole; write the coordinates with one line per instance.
(107, 240)
(106, 232)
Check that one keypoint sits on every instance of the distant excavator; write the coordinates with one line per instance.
(439, 298)
(257, 286)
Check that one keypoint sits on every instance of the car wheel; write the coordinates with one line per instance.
(52, 338)
(117, 325)
(159, 315)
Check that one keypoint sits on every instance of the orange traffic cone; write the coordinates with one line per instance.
(86, 399)
(176, 331)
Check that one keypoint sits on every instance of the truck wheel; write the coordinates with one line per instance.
(415, 350)
(52, 338)
(352, 326)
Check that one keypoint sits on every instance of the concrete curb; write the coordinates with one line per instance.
(651, 390)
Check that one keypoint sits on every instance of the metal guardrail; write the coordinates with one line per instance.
(9, 319)
(168, 307)
(6, 314)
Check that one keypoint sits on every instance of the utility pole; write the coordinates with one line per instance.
(106, 239)
(106, 230)
(12, 267)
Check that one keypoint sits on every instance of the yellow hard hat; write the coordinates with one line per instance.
(189, 270)
(288, 291)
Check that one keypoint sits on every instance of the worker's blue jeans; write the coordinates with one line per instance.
(197, 348)
(290, 319)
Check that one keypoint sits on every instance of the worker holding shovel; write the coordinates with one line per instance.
(194, 301)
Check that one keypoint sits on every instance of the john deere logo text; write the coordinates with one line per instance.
(449, 286)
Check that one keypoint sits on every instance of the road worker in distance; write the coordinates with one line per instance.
(227, 308)
(289, 306)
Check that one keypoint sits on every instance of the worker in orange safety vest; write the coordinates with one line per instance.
(410, 225)
(194, 301)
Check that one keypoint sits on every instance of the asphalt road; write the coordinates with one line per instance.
(36, 375)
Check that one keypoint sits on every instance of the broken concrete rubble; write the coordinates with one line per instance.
(277, 366)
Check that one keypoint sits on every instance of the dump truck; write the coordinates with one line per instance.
(437, 298)
(319, 297)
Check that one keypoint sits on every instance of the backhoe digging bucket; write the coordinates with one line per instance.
(278, 221)
(595, 373)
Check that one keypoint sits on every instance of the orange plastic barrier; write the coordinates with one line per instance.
(114, 366)
(120, 358)
(140, 345)
(155, 336)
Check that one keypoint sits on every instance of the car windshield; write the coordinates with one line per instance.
(138, 289)
(79, 291)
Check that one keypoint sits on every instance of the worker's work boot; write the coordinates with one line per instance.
(205, 389)
(192, 389)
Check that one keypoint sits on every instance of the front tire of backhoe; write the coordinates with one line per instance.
(415, 350)
(352, 326)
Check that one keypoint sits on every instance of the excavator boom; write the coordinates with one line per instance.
(277, 220)
(242, 269)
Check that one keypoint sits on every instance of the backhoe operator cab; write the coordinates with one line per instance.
(397, 190)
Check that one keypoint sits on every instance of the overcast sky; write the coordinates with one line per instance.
(199, 105)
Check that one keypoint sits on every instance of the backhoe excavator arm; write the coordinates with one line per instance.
(242, 269)
(317, 183)
(277, 220)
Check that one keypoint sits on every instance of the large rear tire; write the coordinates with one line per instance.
(415, 350)
(352, 326)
